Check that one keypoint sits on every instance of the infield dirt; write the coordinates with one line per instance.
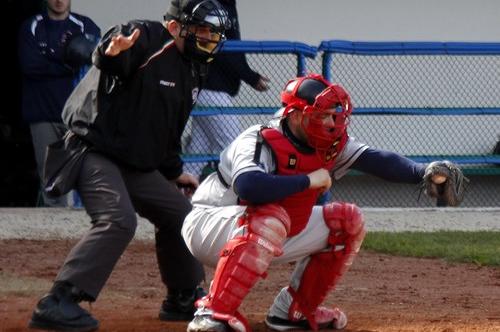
(379, 293)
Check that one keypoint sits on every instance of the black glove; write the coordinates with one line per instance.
(78, 51)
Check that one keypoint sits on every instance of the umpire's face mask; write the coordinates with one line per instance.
(203, 31)
(201, 43)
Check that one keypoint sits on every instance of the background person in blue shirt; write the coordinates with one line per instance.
(211, 134)
(54, 46)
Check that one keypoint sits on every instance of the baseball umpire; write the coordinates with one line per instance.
(259, 209)
(148, 75)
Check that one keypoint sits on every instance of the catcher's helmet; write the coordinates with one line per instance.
(200, 13)
(317, 99)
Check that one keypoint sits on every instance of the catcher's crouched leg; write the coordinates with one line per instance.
(324, 270)
(243, 261)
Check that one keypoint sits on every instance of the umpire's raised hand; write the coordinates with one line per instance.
(121, 43)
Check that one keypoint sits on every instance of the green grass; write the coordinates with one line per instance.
(481, 248)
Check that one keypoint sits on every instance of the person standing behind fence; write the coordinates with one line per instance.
(211, 134)
(53, 47)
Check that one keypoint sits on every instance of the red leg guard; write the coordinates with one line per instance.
(246, 258)
(324, 269)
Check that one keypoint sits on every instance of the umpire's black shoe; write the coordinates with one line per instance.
(179, 304)
(59, 310)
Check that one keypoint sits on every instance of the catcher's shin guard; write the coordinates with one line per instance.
(324, 269)
(246, 258)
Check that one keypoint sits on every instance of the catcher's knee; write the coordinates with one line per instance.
(246, 258)
(324, 269)
(346, 223)
(268, 225)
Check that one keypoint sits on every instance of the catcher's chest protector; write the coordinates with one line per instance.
(291, 161)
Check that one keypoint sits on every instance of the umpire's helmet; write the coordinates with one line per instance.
(200, 13)
(317, 98)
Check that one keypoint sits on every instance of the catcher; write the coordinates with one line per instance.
(258, 209)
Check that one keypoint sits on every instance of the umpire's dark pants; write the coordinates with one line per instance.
(111, 195)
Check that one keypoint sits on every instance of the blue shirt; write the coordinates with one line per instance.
(47, 81)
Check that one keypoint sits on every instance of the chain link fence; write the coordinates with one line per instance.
(427, 101)
(221, 120)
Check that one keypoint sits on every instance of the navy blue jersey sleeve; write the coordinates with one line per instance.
(237, 62)
(229, 68)
(260, 188)
(92, 31)
(237, 65)
(33, 63)
(389, 166)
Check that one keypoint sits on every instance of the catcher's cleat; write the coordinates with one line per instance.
(204, 322)
(59, 310)
(179, 304)
(326, 318)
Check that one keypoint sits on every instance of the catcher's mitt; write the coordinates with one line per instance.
(444, 181)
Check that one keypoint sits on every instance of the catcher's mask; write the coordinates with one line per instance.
(319, 99)
(203, 23)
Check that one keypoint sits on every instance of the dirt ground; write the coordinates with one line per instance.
(379, 293)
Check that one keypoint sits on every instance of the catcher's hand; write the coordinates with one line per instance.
(444, 181)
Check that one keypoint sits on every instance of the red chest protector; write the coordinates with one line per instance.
(291, 161)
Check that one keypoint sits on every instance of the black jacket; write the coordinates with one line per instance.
(228, 70)
(144, 99)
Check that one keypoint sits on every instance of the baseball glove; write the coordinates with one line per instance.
(445, 181)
